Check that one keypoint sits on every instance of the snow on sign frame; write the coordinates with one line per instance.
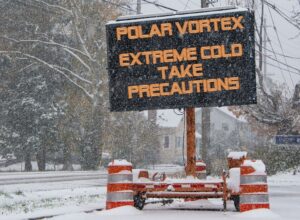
(187, 59)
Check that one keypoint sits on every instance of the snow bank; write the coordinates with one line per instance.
(237, 155)
(234, 179)
(258, 214)
(124, 210)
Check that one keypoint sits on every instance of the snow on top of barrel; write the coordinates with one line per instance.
(119, 163)
(258, 165)
(237, 155)
(234, 179)
(200, 163)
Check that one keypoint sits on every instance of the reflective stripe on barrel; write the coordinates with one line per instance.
(119, 178)
(119, 196)
(119, 184)
(111, 205)
(250, 179)
(254, 198)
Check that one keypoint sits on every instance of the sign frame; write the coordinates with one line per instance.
(123, 79)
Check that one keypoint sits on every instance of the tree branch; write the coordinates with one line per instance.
(53, 67)
(52, 43)
(53, 6)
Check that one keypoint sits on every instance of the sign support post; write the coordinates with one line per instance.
(190, 142)
(190, 136)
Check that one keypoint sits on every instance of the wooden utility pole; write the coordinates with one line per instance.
(139, 7)
(190, 134)
(190, 142)
(204, 4)
(205, 120)
(265, 47)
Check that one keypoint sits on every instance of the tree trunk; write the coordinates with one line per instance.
(67, 159)
(41, 159)
(28, 165)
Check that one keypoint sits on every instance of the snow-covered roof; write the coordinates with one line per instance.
(168, 118)
(229, 113)
(226, 111)
(171, 118)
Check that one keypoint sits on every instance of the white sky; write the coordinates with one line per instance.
(287, 33)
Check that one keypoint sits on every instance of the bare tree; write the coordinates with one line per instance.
(68, 38)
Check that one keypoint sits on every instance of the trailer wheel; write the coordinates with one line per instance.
(139, 201)
(236, 201)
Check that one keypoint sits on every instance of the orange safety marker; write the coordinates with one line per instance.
(119, 184)
(143, 174)
(200, 169)
(253, 186)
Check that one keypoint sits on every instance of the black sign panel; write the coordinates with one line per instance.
(182, 60)
(287, 139)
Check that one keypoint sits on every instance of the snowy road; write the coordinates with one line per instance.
(74, 197)
(50, 177)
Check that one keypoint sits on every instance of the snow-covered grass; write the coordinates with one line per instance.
(285, 179)
(19, 167)
(30, 202)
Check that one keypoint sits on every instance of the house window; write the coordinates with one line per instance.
(166, 142)
(225, 127)
(178, 142)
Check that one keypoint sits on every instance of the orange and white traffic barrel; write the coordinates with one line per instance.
(143, 174)
(119, 184)
(253, 186)
(200, 169)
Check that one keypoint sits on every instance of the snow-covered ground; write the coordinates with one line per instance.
(79, 199)
(19, 167)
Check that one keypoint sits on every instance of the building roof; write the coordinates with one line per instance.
(171, 117)
(168, 118)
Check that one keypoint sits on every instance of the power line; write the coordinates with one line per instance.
(160, 5)
(155, 6)
(282, 55)
(270, 64)
(186, 5)
(281, 13)
(260, 45)
(284, 64)
(120, 6)
(277, 35)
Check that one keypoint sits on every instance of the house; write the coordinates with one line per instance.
(227, 131)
